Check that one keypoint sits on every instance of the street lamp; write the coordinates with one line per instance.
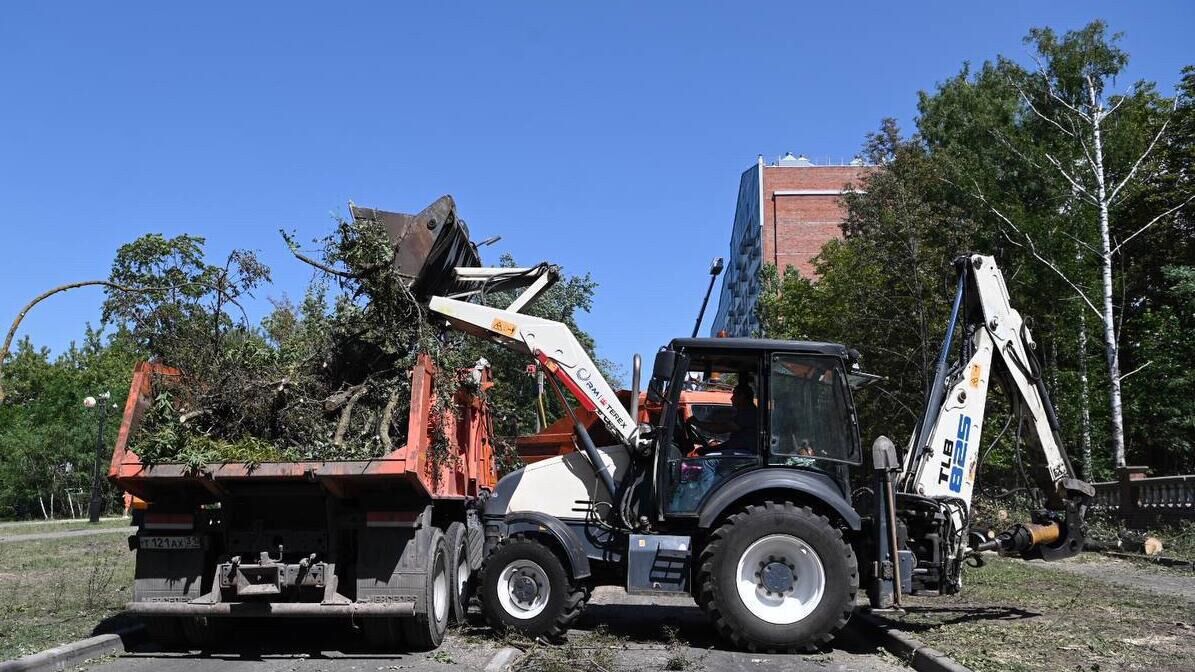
(715, 270)
(93, 509)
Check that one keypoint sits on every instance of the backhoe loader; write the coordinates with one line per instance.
(764, 529)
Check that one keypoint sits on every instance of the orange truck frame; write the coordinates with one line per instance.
(389, 541)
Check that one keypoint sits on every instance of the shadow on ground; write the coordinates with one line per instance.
(254, 639)
(942, 616)
(685, 625)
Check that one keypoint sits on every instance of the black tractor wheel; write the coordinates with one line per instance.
(424, 631)
(524, 587)
(460, 571)
(777, 578)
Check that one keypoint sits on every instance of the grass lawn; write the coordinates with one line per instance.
(51, 526)
(58, 590)
(1016, 617)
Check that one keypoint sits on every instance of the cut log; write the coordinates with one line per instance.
(1152, 546)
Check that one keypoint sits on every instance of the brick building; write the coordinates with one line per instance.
(786, 211)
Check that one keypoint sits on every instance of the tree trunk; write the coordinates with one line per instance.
(42, 502)
(1084, 404)
(1111, 351)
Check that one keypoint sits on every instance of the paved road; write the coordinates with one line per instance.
(630, 616)
(306, 646)
(39, 536)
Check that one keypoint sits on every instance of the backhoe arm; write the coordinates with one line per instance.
(945, 452)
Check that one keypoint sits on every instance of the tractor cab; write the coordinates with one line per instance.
(790, 407)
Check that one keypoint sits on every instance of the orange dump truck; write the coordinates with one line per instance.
(389, 541)
(559, 438)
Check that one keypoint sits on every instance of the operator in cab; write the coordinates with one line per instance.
(743, 426)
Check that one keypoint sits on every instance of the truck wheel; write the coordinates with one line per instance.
(459, 571)
(524, 587)
(425, 631)
(777, 578)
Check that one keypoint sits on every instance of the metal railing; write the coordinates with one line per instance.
(1134, 497)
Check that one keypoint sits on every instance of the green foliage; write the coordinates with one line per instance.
(326, 378)
(979, 175)
(329, 379)
(47, 437)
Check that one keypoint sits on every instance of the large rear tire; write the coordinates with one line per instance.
(524, 587)
(460, 571)
(425, 631)
(778, 578)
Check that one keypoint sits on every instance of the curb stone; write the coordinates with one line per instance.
(67, 655)
(500, 661)
(903, 645)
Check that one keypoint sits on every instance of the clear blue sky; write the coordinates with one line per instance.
(606, 137)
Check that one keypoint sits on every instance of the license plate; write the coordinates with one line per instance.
(169, 543)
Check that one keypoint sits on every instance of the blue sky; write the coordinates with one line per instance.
(606, 137)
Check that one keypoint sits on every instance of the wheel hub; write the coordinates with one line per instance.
(780, 579)
(777, 576)
(523, 588)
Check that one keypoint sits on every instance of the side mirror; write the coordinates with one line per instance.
(664, 365)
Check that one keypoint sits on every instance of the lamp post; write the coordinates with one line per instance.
(715, 270)
(93, 509)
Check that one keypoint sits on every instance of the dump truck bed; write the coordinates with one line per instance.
(467, 471)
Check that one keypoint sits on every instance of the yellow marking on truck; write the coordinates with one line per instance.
(976, 372)
(503, 327)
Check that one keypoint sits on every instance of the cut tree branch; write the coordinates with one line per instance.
(387, 416)
(346, 415)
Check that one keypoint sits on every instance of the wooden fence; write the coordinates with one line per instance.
(1141, 501)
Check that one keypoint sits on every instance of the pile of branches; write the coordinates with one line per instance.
(328, 379)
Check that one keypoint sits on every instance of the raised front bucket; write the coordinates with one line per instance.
(429, 245)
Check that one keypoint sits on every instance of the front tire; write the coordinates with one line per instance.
(778, 578)
(524, 587)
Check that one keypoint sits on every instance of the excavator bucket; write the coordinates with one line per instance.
(428, 246)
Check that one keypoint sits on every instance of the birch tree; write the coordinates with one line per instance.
(1071, 92)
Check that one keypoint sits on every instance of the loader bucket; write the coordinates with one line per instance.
(428, 246)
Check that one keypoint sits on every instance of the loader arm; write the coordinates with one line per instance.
(945, 452)
(552, 344)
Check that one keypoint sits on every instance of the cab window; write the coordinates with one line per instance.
(809, 414)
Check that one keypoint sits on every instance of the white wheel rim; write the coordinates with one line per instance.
(780, 579)
(523, 589)
(440, 594)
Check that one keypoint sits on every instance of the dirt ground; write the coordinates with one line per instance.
(1084, 614)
